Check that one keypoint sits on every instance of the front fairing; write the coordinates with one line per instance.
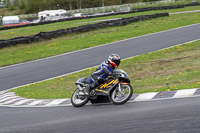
(123, 75)
(104, 89)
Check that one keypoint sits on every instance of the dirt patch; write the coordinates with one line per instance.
(172, 60)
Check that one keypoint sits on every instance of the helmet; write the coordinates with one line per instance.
(114, 60)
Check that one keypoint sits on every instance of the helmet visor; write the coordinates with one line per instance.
(113, 64)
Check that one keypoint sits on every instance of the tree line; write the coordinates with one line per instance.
(34, 6)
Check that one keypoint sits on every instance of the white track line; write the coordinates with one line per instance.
(7, 98)
(10, 101)
(8, 94)
(35, 102)
(56, 102)
(4, 96)
(145, 96)
(22, 102)
(169, 98)
(140, 98)
(184, 93)
(133, 101)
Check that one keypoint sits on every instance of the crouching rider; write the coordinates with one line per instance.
(103, 71)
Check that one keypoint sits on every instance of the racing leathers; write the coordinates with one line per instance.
(102, 72)
(98, 77)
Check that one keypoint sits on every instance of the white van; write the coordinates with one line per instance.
(51, 14)
(78, 15)
(10, 20)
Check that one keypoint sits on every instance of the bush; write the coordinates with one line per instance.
(11, 8)
(22, 4)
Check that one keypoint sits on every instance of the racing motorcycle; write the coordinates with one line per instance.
(115, 89)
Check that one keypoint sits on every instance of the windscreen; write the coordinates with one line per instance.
(121, 72)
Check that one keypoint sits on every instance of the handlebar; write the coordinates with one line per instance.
(114, 74)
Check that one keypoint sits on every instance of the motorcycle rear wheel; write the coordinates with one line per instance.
(121, 98)
(77, 100)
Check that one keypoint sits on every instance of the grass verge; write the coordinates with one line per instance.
(23, 53)
(169, 69)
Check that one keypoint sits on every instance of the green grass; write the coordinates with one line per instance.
(23, 53)
(26, 31)
(165, 70)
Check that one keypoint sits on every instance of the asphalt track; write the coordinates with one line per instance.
(164, 116)
(34, 71)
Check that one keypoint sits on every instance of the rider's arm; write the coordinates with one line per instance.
(106, 70)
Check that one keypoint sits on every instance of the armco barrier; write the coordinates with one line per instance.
(80, 29)
(116, 13)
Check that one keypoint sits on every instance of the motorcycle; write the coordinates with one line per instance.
(116, 89)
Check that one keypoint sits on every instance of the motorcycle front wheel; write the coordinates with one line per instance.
(78, 99)
(121, 97)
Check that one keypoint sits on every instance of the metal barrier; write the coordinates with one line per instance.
(117, 7)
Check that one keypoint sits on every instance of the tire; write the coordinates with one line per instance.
(77, 102)
(128, 96)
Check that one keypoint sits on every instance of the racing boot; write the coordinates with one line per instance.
(89, 90)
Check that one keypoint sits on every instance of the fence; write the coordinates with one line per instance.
(124, 7)
(28, 16)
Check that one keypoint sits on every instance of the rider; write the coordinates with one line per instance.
(103, 71)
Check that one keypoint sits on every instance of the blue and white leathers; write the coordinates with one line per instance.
(102, 72)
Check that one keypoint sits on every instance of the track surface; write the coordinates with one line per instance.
(43, 69)
(165, 116)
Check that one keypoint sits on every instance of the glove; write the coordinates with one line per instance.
(113, 74)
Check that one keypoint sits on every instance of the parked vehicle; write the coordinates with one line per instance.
(51, 14)
(13, 21)
(78, 15)
(116, 89)
(10, 20)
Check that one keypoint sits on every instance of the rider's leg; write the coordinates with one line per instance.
(91, 86)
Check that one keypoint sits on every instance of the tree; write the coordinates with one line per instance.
(22, 4)
(16, 3)
(32, 6)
